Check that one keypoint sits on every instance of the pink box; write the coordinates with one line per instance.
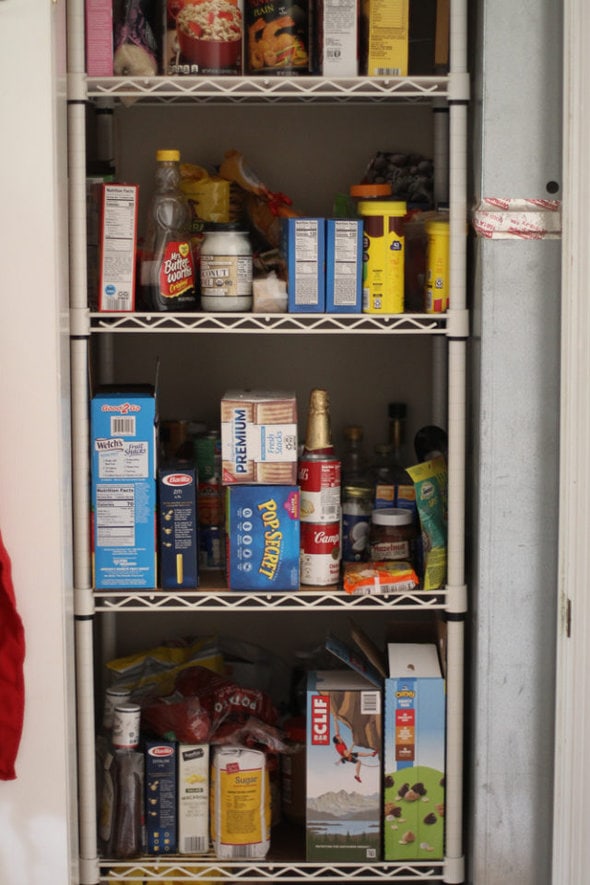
(99, 38)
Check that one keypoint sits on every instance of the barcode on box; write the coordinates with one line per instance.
(370, 702)
(195, 845)
(123, 426)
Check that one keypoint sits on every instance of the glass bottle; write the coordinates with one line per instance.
(355, 463)
(318, 434)
(167, 271)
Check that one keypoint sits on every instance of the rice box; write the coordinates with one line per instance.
(262, 531)
(414, 748)
(343, 753)
(123, 487)
(160, 796)
(259, 437)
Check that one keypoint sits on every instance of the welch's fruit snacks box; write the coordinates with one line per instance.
(262, 534)
(343, 754)
(123, 487)
(414, 749)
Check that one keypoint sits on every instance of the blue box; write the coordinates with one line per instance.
(262, 537)
(177, 527)
(344, 265)
(303, 247)
(123, 487)
(161, 798)
(414, 754)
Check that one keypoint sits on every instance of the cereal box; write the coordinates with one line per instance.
(259, 437)
(262, 537)
(118, 241)
(344, 734)
(414, 749)
(123, 487)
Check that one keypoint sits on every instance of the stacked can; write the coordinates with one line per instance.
(320, 488)
(210, 500)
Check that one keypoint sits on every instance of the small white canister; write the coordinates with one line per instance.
(226, 269)
(126, 725)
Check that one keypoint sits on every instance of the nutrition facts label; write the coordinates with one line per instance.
(115, 515)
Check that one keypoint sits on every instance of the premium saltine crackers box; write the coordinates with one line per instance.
(259, 437)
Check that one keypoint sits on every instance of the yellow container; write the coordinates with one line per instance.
(383, 255)
(436, 284)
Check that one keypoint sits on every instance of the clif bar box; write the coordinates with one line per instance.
(259, 437)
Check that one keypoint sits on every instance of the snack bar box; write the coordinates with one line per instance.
(303, 245)
(123, 487)
(414, 750)
(344, 771)
(262, 535)
(259, 437)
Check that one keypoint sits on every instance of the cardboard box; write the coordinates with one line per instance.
(259, 437)
(177, 527)
(344, 265)
(123, 487)
(414, 754)
(338, 38)
(303, 248)
(384, 49)
(118, 244)
(262, 537)
(160, 796)
(193, 798)
(99, 38)
(343, 753)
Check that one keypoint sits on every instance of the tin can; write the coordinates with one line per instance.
(319, 481)
(126, 724)
(112, 697)
(357, 506)
(383, 255)
(437, 266)
(276, 43)
(211, 547)
(321, 551)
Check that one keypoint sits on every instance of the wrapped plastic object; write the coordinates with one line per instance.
(411, 176)
(366, 579)
(178, 717)
(121, 813)
(136, 48)
(430, 480)
(222, 697)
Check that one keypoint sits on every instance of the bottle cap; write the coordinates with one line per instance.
(353, 432)
(393, 208)
(368, 191)
(391, 516)
(167, 156)
(319, 433)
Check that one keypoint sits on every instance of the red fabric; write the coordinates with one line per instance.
(12, 683)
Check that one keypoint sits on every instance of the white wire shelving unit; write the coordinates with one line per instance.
(449, 93)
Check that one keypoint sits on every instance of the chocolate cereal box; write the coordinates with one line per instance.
(259, 437)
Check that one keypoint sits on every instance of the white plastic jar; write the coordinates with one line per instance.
(226, 269)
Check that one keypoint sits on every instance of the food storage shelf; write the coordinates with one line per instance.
(277, 323)
(269, 90)
(204, 869)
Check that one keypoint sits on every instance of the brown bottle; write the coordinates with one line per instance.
(318, 435)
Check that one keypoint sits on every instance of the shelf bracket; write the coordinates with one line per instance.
(458, 324)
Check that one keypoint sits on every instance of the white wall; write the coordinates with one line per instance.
(37, 816)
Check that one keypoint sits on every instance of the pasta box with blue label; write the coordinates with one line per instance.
(262, 534)
(161, 800)
(177, 526)
(123, 487)
(414, 753)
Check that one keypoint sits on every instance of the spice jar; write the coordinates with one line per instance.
(393, 535)
(357, 506)
(226, 269)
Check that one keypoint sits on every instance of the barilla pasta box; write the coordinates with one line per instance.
(193, 798)
(178, 551)
(414, 747)
(259, 437)
(161, 799)
(344, 265)
(343, 753)
(303, 244)
(262, 537)
(123, 487)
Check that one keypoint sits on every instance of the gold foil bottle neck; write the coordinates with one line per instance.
(318, 436)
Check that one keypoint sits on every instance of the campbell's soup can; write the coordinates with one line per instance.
(126, 723)
(318, 477)
(321, 552)
(277, 38)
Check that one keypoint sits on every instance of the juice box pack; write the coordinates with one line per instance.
(123, 487)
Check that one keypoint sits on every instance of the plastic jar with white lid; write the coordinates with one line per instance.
(392, 535)
(226, 269)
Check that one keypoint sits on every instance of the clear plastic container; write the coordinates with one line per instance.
(226, 269)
